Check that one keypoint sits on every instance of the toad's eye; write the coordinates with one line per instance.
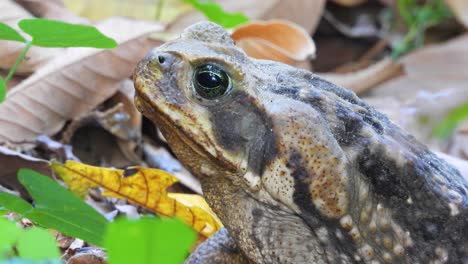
(210, 81)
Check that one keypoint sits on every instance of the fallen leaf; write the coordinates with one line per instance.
(460, 9)
(73, 84)
(433, 68)
(11, 161)
(141, 186)
(9, 50)
(159, 157)
(305, 13)
(367, 78)
(277, 40)
(125, 123)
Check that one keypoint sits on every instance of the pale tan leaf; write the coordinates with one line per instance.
(305, 13)
(362, 80)
(10, 14)
(277, 40)
(460, 9)
(433, 68)
(435, 82)
(73, 84)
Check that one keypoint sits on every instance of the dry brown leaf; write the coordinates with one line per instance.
(10, 14)
(133, 118)
(460, 9)
(51, 9)
(277, 40)
(73, 84)
(432, 68)
(144, 187)
(11, 161)
(362, 80)
(305, 13)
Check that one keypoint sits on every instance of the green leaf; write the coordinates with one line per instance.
(450, 122)
(14, 203)
(8, 33)
(215, 13)
(37, 244)
(150, 241)
(59, 209)
(3, 90)
(10, 233)
(51, 33)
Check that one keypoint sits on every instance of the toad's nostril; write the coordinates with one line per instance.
(161, 59)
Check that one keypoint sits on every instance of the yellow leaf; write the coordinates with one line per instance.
(141, 186)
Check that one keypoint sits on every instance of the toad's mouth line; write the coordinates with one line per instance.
(163, 122)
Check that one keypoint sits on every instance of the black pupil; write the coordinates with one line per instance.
(211, 81)
(208, 79)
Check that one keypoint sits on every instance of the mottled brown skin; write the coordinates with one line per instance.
(298, 169)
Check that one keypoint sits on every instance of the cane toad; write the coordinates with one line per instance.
(298, 169)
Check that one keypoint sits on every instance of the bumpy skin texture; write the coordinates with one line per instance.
(298, 169)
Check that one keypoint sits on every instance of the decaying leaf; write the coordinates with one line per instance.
(362, 80)
(142, 186)
(36, 57)
(278, 40)
(460, 9)
(73, 84)
(433, 68)
(11, 161)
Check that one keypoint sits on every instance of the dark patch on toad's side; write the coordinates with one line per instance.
(241, 125)
(427, 217)
(313, 218)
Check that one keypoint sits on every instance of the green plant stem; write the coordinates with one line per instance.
(159, 8)
(18, 61)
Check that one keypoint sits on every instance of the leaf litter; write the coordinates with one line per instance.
(96, 108)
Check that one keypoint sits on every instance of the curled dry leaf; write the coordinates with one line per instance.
(362, 80)
(277, 40)
(10, 14)
(11, 161)
(305, 13)
(460, 9)
(144, 187)
(75, 83)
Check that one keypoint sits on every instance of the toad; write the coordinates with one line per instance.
(298, 169)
